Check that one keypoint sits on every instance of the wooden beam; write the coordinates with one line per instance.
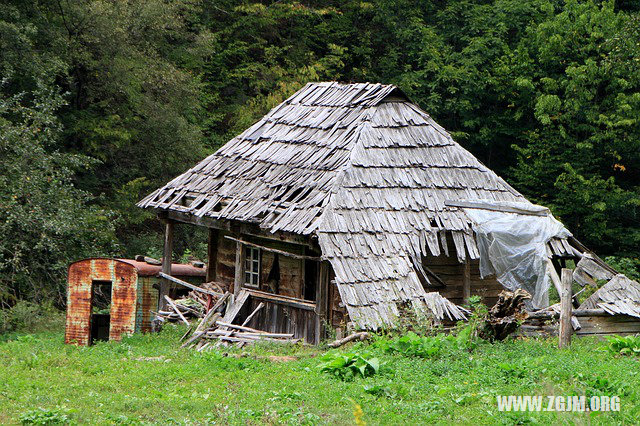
(555, 278)
(494, 207)
(238, 279)
(282, 300)
(175, 308)
(212, 254)
(236, 226)
(166, 263)
(168, 277)
(564, 334)
(466, 280)
(282, 252)
(322, 301)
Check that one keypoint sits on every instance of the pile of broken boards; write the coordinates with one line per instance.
(612, 309)
(193, 306)
(214, 330)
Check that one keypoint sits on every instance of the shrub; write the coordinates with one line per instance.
(44, 416)
(347, 366)
(628, 345)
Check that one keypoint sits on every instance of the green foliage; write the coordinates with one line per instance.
(347, 366)
(45, 220)
(628, 266)
(43, 416)
(25, 316)
(547, 93)
(624, 345)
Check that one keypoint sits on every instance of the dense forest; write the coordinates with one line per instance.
(101, 101)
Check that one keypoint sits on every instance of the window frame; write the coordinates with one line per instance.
(252, 258)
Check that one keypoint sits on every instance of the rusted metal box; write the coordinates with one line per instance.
(110, 298)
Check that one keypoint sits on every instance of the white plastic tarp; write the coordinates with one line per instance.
(512, 246)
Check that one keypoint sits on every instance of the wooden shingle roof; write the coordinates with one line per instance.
(361, 167)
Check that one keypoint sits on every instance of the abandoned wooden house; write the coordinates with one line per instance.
(111, 298)
(345, 205)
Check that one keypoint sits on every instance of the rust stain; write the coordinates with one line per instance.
(132, 295)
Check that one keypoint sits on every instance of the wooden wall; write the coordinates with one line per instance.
(277, 317)
(451, 271)
(291, 270)
(225, 262)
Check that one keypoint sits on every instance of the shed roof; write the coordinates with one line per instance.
(361, 167)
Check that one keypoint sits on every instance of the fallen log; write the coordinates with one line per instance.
(355, 336)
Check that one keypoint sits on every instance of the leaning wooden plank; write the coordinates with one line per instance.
(184, 336)
(186, 284)
(255, 311)
(175, 308)
(355, 336)
(282, 252)
(192, 339)
(212, 311)
(243, 296)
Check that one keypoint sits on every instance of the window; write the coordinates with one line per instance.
(252, 267)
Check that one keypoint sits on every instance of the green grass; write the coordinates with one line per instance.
(148, 379)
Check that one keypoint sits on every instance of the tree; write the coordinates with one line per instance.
(45, 221)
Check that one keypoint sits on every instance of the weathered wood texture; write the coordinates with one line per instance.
(361, 167)
(167, 256)
(564, 330)
(598, 325)
(278, 317)
(452, 272)
(212, 254)
(225, 262)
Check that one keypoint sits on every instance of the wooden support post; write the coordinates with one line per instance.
(565, 309)
(322, 300)
(239, 273)
(166, 264)
(212, 254)
(466, 280)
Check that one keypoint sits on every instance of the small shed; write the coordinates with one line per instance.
(109, 298)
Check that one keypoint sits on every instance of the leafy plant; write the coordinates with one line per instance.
(413, 345)
(347, 366)
(44, 416)
(624, 345)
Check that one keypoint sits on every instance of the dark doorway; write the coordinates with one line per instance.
(100, 310)
(310, 279)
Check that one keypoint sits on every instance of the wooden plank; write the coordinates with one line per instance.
(322, 301)
(238, 279)
(239, 303)
(175, 308)
(494, 207)
(551, 270)
(466, 280)
(282, 252)
(212, 254)
(564, 339)
(166, 263)
(282, 300)
(168, 278)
